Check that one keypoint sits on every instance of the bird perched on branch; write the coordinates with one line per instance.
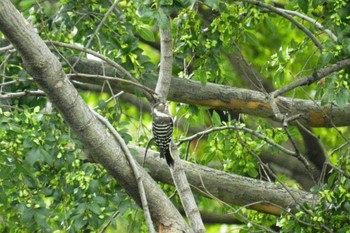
(162, 128)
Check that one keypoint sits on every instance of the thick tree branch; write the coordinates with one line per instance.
(240, 100)
(230, 188)
(48, 73)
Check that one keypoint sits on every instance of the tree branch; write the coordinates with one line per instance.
(166, 62)
(311, 20)
(230, 188)
(288, 17)
(242, 100)
(21, 94)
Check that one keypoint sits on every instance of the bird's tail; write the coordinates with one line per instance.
(168, 157)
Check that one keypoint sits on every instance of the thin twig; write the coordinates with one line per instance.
(98, 28)
(6, 48)
(122, 71)
(242, 128)
(134, 168)
(109, 222)
(109, 78)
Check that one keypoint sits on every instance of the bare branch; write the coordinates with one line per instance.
(166, 62)
(118, 67)
(311, 20)
(230, 188)
(6, 48)
(21, 94)
(109, 78)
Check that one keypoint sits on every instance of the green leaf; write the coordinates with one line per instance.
(253, 173)
(212, 3)
(79, 223)
(342, 98)
(251, 38)
(146, 34)
(216, 118)
(95, 208)
(279, 78)
(27, 214)
(35, 155)
(166, 2)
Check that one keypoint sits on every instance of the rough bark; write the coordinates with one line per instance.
(241, 100)
(48, 73)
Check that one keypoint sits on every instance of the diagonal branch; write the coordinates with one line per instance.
(288, 17)
(311, 20)
(316, 76)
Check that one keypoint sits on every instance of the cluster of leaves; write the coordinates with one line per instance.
(46, 182)
(331, 212)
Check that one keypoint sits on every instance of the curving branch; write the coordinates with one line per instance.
(119, 68)
(311, 20)
(288, 17)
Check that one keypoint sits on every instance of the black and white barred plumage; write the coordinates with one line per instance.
(162, 128)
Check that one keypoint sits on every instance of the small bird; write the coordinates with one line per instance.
(162, 128)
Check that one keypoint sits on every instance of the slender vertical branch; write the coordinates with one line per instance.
(177, 171)
(166, 62)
